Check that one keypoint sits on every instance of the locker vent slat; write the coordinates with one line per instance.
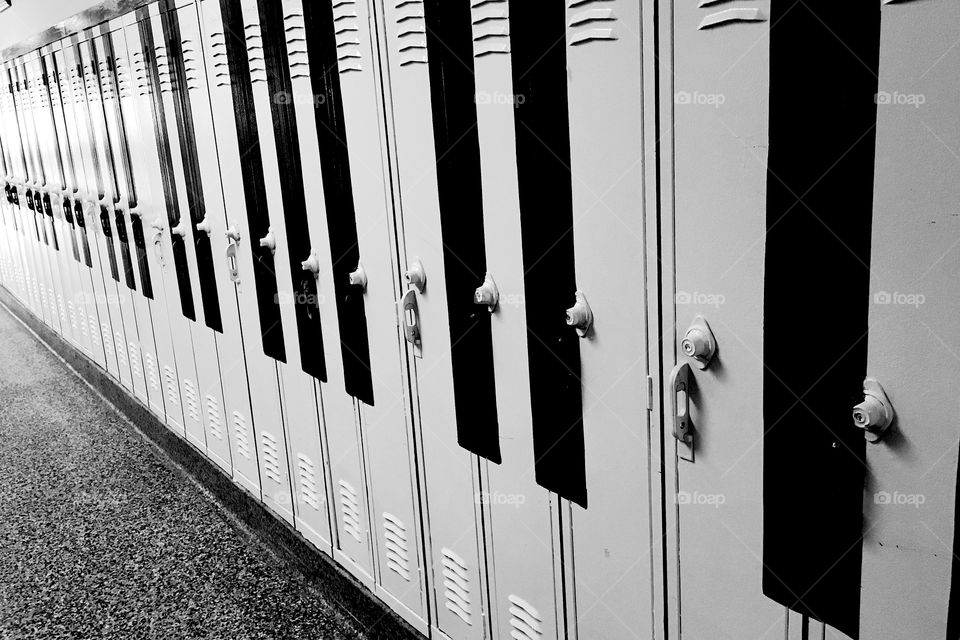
(308, 481)
(190, 393)
(411, 32)
(525, 620)
(456, 585)
(214, 419)
(107, 341)
(271, 457)
(242, 434)
(135, 366)
(347, 35)
(151, 368)
(395, 543)
(592, 21)
(491, 27)
(350, 508)
(170, 381)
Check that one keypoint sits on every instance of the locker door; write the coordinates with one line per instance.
(79, 295)
(112, 65)
(87, 214)
(40, 126)
(285, 38)
(442, 254)
(910, 578)
(234, 365)
(35, 178)
(291, 333)
(101, 218)
(179, 374)
(202, 398)
(147, 210)
(718, 200)
(342, 128)
(611, 99)
(18, 169)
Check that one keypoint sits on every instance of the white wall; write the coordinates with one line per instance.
(26, 18)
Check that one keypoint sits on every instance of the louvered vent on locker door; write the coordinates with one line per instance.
(242, 435)
(93, 327)
(135, 365)
(395, 539)
(411, 32)
(218, 53)
(347, 32)
(295, 35)
(258, 66)
(491, 27)
(152, 378)
(170, 381)
(214, 419)
(73, 315)
(271, 457)
(191, 64)
(121, 352)
(163, 68)
(140, 74)
(308, 481)
(107, 341)
(351, 510)
(456, 585)
(123, 77)
(63, 313)
(106, 81)
(593, 21)
(190, 395)
(524, 619)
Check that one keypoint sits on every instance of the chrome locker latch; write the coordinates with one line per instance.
(181, 228)
(487, 294)
(580, 315)
(233, 245)
(411, 317)
(699, 343)
(416, 276)
(680, 404)
(358, 277)
(311, 264)
(269, 241)
(204, 225)
(875, 414)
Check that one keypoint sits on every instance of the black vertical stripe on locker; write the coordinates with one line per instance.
(191, 169)
(457, 145)
(166, 164)
(108, 235)
(816, 304)
(254, 188)
(291, 185)
(338, 192)
(538, 34)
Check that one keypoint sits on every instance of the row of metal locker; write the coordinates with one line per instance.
(541, 319)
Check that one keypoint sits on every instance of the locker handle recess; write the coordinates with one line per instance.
(680, 401)
(411, 317)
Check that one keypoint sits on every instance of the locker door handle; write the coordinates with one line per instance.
(411, 317)
(232, 268)
(358, 277)
(680, 401)
(311, 264)
(204, 225)
(180, 229)
(269, 241)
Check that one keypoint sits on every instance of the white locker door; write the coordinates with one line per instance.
(234, 367)
(149, 210)
(35, 179)
(909, 571)
(79, 294)
(245, 206)
(140, 338)
(612, 154)
(202, 398)
(714, 121)
(341, 133)
(450, 472)
(52, 185)
(101, 220)
(179, 372)
(285, 42)
(17, 179)
(85, 205)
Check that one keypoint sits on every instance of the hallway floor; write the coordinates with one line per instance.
(101, 538)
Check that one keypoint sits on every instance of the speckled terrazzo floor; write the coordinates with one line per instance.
(100, 539)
